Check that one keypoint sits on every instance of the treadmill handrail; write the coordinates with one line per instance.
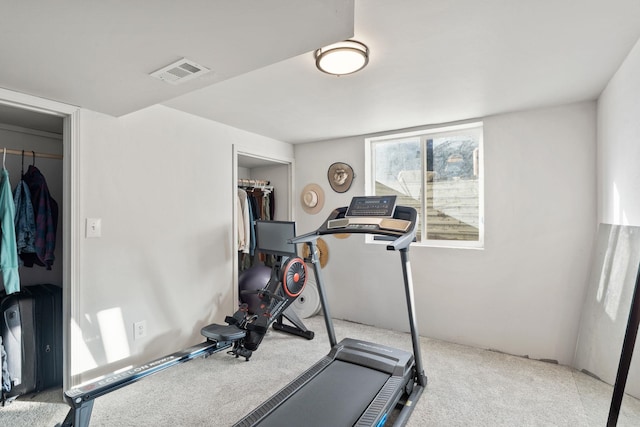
(304, 238)
(401, 241)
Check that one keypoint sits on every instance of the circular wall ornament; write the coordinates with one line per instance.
(323, 252)
(340, 176)
(341, 235)
(312, 198)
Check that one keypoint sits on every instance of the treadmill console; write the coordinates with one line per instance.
(370, 214)
(379, 206)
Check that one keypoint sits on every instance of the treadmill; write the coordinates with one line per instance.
(358, 383)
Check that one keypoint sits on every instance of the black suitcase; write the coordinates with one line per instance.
(49, 338)
(31, 328)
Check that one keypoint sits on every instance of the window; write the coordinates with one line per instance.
(438, 172)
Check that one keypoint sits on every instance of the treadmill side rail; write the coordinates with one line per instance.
(392, 361)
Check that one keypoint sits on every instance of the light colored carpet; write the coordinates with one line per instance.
(467, 387)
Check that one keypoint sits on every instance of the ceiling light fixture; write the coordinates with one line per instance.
(342, 58)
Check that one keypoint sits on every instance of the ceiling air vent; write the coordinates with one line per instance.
(180, 72)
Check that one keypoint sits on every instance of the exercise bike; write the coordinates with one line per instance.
(248, 325)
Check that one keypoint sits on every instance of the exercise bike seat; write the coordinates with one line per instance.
(223, 332)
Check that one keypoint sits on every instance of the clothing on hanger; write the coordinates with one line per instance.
(25, 221)
(8, 250)
(260, 204)
(243, 221)
(45, 211)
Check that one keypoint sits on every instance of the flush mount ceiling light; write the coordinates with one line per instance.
(342, 58)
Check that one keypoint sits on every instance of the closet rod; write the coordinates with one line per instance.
(246, 182)
(28, 154)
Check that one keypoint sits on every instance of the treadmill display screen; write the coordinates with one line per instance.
(381, 206)
(272, 237)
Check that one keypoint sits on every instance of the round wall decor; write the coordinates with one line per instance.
(323, 252)
(340, 176)
(312, 198)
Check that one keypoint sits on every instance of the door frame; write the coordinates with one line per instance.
(70, 207)
(240, 151)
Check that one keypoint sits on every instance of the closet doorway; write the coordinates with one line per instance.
(48, 132)
(260, 168)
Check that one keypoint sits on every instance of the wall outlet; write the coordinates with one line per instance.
(139, 329)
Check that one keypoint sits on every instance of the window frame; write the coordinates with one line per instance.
(476, 127)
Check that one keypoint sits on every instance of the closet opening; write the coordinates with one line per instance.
(47, 132)
(268, 180)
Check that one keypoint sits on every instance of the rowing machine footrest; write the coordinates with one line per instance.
(261, 329)
(238, 316)
(232, 320)
(223, 332)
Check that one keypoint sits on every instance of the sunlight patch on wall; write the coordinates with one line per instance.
(114, 334)
(614, 272)
(84, 360)
(616, 202)
(619, 214)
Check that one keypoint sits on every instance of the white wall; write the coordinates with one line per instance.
(618, 203)
(618, 145)
(522, 294)
(161, 181)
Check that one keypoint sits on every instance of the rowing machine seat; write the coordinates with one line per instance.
(221, 333)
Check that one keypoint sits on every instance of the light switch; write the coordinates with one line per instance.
(94, 227)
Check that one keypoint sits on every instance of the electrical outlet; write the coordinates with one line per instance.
(139, 329)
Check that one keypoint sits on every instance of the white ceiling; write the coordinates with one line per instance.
(432, 61)
(99, 54)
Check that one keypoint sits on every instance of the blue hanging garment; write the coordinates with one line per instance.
(8, 250)
(25, 219)
(45, 210)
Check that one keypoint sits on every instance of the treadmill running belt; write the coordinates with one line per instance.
(335, 397)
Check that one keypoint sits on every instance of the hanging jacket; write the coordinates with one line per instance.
(25, 219)
(46, 215)
(8, 250)
(243, 222)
